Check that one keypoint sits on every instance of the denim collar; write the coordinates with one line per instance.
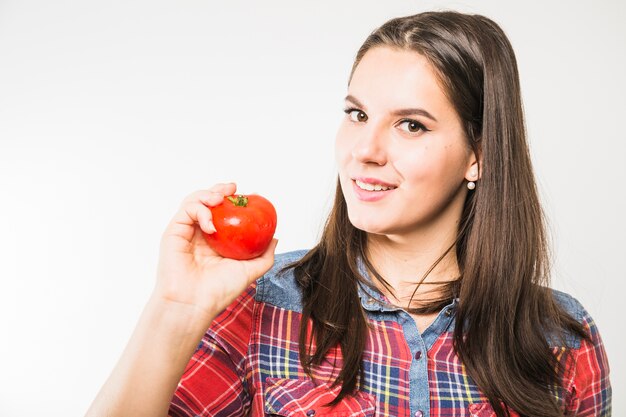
(371, 297)
(374, 301)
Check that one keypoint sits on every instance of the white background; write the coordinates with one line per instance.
(111, 112)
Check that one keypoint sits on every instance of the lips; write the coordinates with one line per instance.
(374, 182)
(370, 195)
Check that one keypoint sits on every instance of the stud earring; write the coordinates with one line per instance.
(471, 185)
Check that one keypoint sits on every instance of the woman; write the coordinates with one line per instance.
(427, 293)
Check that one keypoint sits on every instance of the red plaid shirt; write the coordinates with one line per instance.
(248, 363)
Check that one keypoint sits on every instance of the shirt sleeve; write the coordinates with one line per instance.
(214, 383)
(592, 388)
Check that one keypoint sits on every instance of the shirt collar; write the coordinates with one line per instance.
(373, 300)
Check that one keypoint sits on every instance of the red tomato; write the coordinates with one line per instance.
(244, 225)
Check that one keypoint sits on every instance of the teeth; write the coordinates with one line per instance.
(372, 187)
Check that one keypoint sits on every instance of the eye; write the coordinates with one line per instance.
(360, 116)
(413, 126)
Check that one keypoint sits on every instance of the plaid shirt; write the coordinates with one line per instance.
(248, 363)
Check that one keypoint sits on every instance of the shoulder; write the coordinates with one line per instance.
(575, 309)
(589, 382)
(570, 304)
(274, 287)
(235, 320)
(281, 288)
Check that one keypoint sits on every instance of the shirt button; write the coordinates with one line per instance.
(449, 312)
(418, 355)
(419, 413)
(371, 301)
(310, 413)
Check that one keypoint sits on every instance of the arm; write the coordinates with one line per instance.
(144, 379)
(592, 387)
(193, 285)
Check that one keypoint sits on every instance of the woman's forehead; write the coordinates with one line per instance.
(391, 78)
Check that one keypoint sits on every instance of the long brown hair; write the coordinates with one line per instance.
(501, 245)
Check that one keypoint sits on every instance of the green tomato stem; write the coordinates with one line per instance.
(239, 200)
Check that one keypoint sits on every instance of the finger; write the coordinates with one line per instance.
(206, 224)
(183, 222)
(211, 199)
(222, 190)
(202, 216)
(226, 188)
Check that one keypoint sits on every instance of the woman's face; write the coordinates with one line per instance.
(401, 132)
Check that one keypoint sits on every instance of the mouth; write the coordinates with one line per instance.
(371, 190)
(367, 186)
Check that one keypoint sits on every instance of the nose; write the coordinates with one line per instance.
(370, 147)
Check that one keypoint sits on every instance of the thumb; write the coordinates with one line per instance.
(263, 263)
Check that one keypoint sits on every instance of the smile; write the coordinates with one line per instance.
(371, 192)
(373, 187)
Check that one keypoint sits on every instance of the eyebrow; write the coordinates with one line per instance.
(399, 112)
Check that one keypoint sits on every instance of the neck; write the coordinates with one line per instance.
(406, 260)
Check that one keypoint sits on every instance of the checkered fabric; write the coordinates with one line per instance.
(248, 364)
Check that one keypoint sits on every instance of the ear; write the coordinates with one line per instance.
(473, 172)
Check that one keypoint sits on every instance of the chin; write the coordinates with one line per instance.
(368, 224)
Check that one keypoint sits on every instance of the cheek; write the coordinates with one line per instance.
(342, 148)
(415, 165)
(433, 166)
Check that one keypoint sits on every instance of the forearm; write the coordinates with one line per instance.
(145, 377)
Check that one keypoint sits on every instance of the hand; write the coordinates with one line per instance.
(189, 272)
